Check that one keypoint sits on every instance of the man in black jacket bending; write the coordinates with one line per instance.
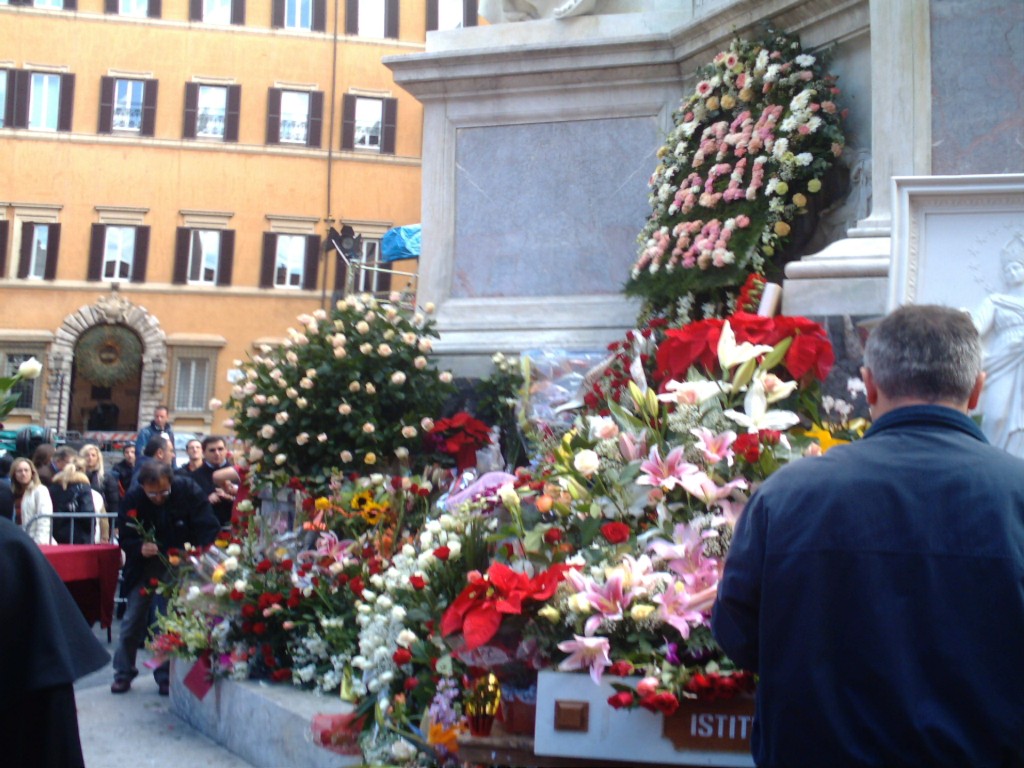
(161, 512)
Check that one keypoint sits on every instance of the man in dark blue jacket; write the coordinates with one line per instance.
(878, 590)
(157, 514)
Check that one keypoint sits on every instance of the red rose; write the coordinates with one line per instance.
(280, 675)
(748, 446)
(154, 583)
(286, 565)
(417, 581)
(356, 585)
(442, 553)
(133, 513)
(401, 656)
(620, 668)
(172, 551)
(248, 611)
(615, 533)
(410, 683)
(663, 702)
(769, 436)
(259, 628)
(621, 700)
(553, 535)
(236, 595)
(263, 566)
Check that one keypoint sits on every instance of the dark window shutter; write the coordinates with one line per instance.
(111, 6)
(52, 250)
(191, 110)
(155, 10)
(195, 10)
(312, 264)
(470, 12)
(238, 12)
(315, 126)
(181, 239)
(319, 21)
(388, 130)
(383, 284)
(348, 121)
(231, 118)
(149, 92)
(267, 264)
(97, 244)
(391, 19)
(106, 124)
(432, 15)
(25, 256)
(4, 229)
(351, 17)
(70, 5)
(21, 91)
(226, 263)
(273, 115)
(277, 14)
(140, 259)
(67, 102)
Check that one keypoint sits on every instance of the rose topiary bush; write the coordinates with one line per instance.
(353, 388)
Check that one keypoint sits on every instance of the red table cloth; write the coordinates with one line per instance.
(90, 573)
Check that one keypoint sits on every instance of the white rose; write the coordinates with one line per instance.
(398, 378)
(586, 462)
(302, 438)
(30, 369)
(280, 459)
(368, 428)
(322, 437)
(267, 431)
(445, 377)
(281, 418)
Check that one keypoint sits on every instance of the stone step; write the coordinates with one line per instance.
(267, 724)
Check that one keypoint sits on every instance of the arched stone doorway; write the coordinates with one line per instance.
(118, 324)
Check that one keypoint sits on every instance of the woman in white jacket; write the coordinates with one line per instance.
(31, 501)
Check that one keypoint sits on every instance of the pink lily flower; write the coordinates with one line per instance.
(715, 448)
(632, 447)
(666, 473)
(607, 600)
(702, 487)
(584, 652)
(684, 556)
(683, 610)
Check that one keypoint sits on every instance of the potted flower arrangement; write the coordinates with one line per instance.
(350, 388)
(746, 157)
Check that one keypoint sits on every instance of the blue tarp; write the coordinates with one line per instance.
(401, 243)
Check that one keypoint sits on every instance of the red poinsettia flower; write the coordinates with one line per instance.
(478, 611)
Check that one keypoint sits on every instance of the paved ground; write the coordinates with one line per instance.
(137, 729)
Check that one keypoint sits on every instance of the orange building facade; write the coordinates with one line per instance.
(170, 171)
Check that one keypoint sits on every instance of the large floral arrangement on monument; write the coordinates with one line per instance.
(747, 155)
(352, 388)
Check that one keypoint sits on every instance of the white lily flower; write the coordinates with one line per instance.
(776, 389)
(692, 392)
(757, 415)
(731, 354)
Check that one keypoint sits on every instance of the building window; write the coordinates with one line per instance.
(127, 105)
(290, 261)
(192, 379)
(299, 14)
(44, 102)
(60, 5)
(367, 279)
(136, 8)
(40, 101)
(369, 123)
(27, 391)
(39, 246)
(3, 95)
(372, 18)
(217, 11)
(204, 256)
(451, 14)
(294, 117)
(211, 111)
(118, 253)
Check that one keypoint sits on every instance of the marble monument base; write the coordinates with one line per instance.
(269, 725)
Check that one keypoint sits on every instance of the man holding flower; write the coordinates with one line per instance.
(161, 513)
(878, 590)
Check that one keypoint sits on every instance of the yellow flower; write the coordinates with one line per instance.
(322, 504)
(446, 737)
(747, 94)
(813, 185)
(824, 438)
(372, 513)
(728, 102)
(641, 611)
(218, 574)
(781, 228)
(799, 200)
(362, 500)
(712, 103)
(370, 458)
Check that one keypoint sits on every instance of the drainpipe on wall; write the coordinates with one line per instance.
(328, 219)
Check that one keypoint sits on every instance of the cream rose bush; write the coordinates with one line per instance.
(346, 390)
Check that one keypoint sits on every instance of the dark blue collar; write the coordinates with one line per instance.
(927, 416)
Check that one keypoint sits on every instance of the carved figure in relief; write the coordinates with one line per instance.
(498, 11)
(1000, 320)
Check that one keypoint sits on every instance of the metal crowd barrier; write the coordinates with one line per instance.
(93, 520)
